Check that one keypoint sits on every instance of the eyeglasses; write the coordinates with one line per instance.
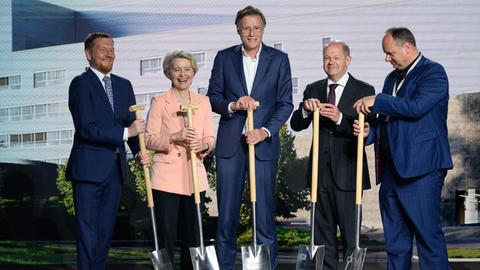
(248, 30)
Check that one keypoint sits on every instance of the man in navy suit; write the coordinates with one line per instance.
(241, 75)
(99, 102)
(411, 144)
(337, 149)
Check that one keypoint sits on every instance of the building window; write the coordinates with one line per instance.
(46, 78)
(15, 140)
(150, 66)
(326, 40)
(200, 57)
(4, 115)
(40, 111)
(294, 85)
(15, 114)
(202, 90)
(278, 45)
(10, 82)
(41, 138)
(27, 113)
(140, 98)
(3, 141)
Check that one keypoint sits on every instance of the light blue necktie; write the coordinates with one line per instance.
(109, 90)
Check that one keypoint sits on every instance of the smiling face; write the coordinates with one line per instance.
(102, 54)
(335, 62)
(250, 29)
(181, 74)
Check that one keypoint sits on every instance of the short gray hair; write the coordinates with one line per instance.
(171, 56)
(346, 49)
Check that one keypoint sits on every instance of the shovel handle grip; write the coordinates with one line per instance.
(315, 143)
(358, 190)
(146, 171)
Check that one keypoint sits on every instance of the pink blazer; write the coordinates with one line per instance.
(171, 170)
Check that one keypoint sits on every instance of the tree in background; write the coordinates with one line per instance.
(290, 189)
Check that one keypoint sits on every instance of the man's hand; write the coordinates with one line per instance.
(363, 105)
(137, 127)
(256, 135)
(312, 104)
(244, 103)
(356, 128)
(330, 111)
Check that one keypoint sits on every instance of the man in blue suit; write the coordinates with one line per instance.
(411, 144)
(241, 75)
(99, 102)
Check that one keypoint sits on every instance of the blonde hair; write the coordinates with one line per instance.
(171, 56)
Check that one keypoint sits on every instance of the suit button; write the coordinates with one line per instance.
(330, 132)
(179, 155)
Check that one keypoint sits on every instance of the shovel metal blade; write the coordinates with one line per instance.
(356, 260)
(206, 260)
(160, 260)
(310, 257)
(256, 257)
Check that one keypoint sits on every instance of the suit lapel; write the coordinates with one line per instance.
(117, 99)
(99, 90)
(389, 84)
(322, 92)
(237, 61)
(347, 93)
(412, 73)
(173, 109)
(262, 67)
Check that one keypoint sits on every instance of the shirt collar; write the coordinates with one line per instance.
(244, 53)
(99, 74)
(403, 73)
(342, 82)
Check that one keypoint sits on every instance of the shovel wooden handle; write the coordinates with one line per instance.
(251, 157)
(315, 142)
(193, 155)
(146, 171)
(358, 190)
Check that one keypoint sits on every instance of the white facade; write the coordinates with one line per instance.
(34, 119)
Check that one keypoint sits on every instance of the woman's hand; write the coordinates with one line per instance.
(184, 135)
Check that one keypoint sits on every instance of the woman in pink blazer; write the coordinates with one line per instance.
(166, 134)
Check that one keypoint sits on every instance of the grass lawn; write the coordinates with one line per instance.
(42, 253)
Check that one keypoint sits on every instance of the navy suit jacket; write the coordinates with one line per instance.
(272, 88)
(417, 128)
(98, 130)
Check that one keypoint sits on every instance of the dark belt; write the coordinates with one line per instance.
(116, 156)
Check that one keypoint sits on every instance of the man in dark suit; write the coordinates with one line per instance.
(337, 149)
(411, 141)
(241, 75)
(99, 102)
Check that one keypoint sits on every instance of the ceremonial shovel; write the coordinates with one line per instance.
(159, 257)
(203, 258)
(356, 260)
(254, 257)
(311, 257)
